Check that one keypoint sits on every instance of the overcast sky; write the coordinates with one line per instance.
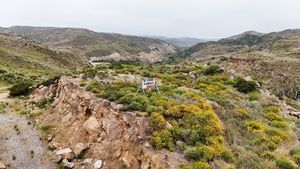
(174, 18)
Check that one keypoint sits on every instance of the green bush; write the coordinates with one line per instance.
(20, 88)
(227, 156)
(245, 86)
(211, 70)
(296, 158)
(46, 129)
(284, 163)
(203, 153)
(82, 83)
(268, 156)
(139, 103)
(162, 139)
(197, 165)
(279, 124)
(254, 96)
(295, 151)
(242, 113)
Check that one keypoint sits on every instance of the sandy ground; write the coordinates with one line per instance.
(24, 150)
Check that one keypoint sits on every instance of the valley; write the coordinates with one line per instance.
(232, 103)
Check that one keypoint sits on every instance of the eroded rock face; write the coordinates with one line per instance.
(116, 138)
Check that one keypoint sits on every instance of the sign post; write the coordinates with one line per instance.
(149, 84)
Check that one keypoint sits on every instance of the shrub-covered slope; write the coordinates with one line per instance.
(201, 112)
(273, 59)
(27, 57)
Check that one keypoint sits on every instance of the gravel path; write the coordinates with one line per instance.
(20, 144)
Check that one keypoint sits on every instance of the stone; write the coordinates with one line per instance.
(147, 145)
(67, 118)
(80, 149)
(87, 161)
(91, 125)
(2, 166)
(145, 164)
(168, 125)
(50, 138)
(67, 153)
(54, 146)
(59, 159)
(98, 164)
(67, 164)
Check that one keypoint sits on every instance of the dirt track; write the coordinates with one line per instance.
(20, 144)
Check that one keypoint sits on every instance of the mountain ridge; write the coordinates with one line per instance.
(87, 43)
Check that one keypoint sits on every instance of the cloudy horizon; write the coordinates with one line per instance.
(208, 19)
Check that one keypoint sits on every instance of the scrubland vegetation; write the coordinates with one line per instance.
(202, 112)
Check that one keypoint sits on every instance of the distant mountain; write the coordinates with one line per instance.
(87, 43)
(2, 30)
(250, 41)
(181, 42)
(254, 33)
(272, 58)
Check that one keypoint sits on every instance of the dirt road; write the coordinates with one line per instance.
(20, 144)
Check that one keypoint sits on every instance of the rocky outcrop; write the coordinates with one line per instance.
(2, 166)
(116, 138)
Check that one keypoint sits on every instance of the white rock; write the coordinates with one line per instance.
(50, 138)
(168, 125)
(67, 164)
(80, 148)
(2, 166)
(147, 145)
(67, 153)
(98, 164)
(87, 161)
(91, 125)
(63, 151)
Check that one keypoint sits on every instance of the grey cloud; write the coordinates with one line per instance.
(196, 18)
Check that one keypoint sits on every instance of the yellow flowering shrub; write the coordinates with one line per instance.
(255, 126)
(157, 121)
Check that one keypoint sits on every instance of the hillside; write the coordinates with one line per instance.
(24, 56)
(283, 43)
(199, 119)
(87, 44)
(271, 58)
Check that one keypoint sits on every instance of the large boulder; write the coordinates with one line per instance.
(91, 125)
